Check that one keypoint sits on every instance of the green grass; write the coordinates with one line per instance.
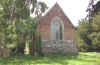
(88, 58)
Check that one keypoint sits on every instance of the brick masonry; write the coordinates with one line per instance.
(44, 30)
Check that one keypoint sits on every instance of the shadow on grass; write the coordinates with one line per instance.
(56, 59)
(22, 60)
(61, 59)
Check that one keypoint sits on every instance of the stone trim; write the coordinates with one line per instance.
(59, 46)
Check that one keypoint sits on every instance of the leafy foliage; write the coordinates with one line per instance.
(95, 34)
(82, 32)
(16, 25)
(89, 34)
(93, 8)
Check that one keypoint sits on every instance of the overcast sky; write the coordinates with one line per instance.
(74, 9)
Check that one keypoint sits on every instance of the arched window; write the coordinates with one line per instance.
(57, 29)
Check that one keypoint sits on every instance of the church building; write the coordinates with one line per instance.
(57, 32)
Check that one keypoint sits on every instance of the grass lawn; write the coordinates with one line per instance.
(88, 58)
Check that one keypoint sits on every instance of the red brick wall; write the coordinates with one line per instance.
(44, 23)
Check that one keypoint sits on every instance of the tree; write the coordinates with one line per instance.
(93, 9)
(40, 8)
(21, 8)
(95, 34)
(88, 34)
(82, 31)
(16, 26)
